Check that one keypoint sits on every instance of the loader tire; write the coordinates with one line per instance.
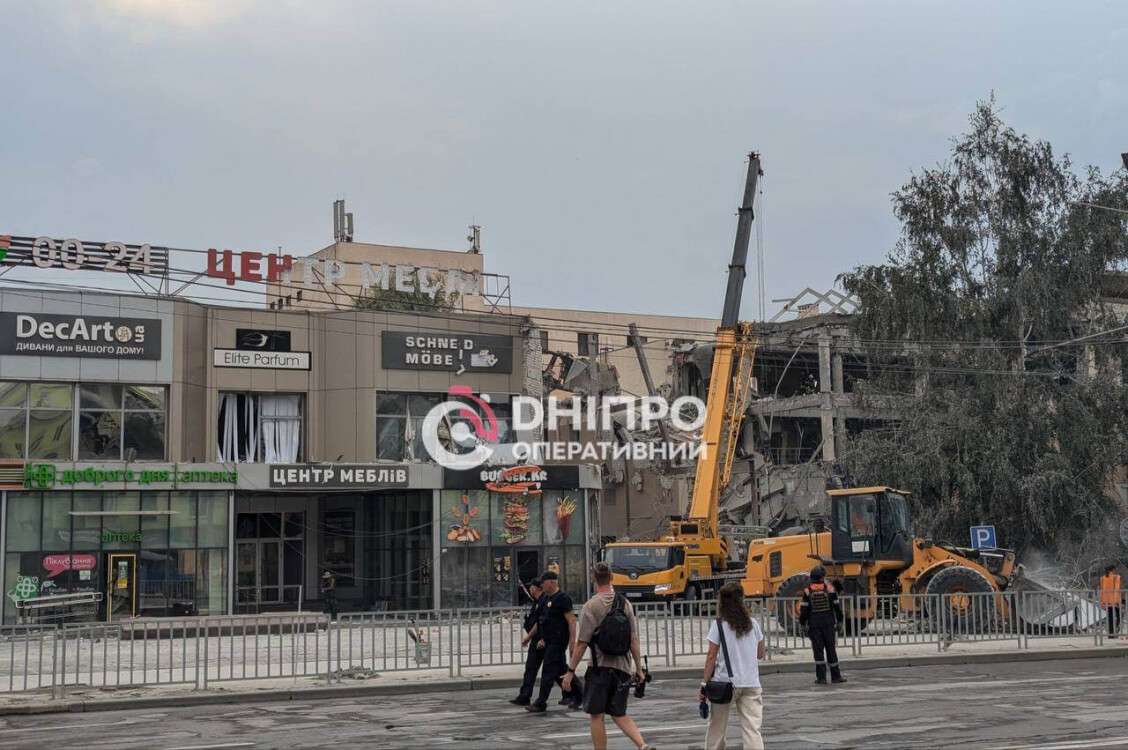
(964, 606)
(787, 611)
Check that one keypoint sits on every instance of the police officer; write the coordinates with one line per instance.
(535, 655)
(820, 612)
(556, 630)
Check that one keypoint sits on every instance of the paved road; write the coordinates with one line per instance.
(1062, 705)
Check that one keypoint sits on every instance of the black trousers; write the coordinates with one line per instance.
(533, 661)
(555, 667)
(822, 635)
(1113, 620)
(331, 603)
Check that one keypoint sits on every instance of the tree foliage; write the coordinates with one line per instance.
(436, 298)
(998, 414)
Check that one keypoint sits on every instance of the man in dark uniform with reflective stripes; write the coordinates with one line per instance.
(820, 612)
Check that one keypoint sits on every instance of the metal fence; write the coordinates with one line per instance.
(199, 651)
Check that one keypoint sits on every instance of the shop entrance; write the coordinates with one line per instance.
(268, 558)
(528, 568)
(121, 586)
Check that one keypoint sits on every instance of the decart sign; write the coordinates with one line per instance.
(43, 335)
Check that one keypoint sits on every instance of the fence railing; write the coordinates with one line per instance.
(198, 651)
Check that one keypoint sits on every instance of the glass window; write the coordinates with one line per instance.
(211, 581)
(51, 396)
(386, 403)
(99, 435)
(389, 438)
(101, 396)
(13, 394)
(246, 526)
(863, 509)
(213, 519)
(254, 427)
(144, 435)
(465, 517)
(269, 525)
(399, 424)
(338, 545)
(121, 530)
(87, 532)
(154, 528)
(144, 398)
(294, 525)
(182, 522)
(13, 431)
(24, 515)
(49, 434)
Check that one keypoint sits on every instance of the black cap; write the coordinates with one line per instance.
(536, 582)
(550, 575)
(818, 573)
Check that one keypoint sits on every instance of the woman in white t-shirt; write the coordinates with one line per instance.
(745, 642)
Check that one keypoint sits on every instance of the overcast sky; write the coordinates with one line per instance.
(600, 144)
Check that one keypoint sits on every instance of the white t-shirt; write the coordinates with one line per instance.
(742, 655)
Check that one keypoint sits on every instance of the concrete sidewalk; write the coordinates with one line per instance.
(353, 683)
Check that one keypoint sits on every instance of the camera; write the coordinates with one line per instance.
(640, 687)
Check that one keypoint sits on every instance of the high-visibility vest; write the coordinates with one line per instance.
(1110, 590)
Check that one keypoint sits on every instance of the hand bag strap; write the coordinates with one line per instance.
(724, 648)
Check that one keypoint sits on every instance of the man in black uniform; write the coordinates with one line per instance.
(820, 612)
(535, 655)
(557, 631)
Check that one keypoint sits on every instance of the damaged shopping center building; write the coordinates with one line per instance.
(801, 408)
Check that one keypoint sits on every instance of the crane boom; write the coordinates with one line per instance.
(730, 378)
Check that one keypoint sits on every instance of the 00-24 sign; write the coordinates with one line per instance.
(75, 255)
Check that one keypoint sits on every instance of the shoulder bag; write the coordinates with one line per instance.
(720, 691)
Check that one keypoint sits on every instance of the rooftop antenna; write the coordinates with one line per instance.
(342, 222)
(475, 239)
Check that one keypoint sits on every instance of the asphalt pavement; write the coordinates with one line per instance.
(1049, 705)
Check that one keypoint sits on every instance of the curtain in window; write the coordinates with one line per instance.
(229, 428)
(238, 428)
(281, 428)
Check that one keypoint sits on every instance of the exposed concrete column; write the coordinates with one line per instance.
(826, 406)
(838, 381)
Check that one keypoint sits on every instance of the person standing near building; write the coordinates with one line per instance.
(609, 628)
(740, 642)
(1111, 597)
(329, 594)
(535, 654)
(820, 612)
(557, 631)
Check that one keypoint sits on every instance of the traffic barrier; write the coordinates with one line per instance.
(199, 651)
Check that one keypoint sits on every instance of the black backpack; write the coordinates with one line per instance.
(613, 636)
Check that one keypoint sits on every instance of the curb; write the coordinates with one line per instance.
(492, 683)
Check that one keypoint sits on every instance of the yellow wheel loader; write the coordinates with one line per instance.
(869, 550)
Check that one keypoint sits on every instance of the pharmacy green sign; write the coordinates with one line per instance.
(42, 476)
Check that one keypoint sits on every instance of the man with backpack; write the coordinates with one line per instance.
(608, 627)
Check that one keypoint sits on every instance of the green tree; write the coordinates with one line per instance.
(996, 413)
(414, 301)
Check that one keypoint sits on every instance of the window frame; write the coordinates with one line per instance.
(503, 410)
(75, 410)
(303, 408)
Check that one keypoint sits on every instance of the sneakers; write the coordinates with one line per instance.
(535, 708)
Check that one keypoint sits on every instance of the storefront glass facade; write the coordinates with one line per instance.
(491, 541)
(160, 552)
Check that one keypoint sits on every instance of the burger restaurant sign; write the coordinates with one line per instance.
(43, 335)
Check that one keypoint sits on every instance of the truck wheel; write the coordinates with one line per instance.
(788, 597)
(965, 603)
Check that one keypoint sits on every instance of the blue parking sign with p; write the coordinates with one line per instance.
(983, 537)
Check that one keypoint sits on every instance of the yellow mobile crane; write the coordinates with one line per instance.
(692, 558)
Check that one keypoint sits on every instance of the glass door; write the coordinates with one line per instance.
(246, 572)
(121, 587)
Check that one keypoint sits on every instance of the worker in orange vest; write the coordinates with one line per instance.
(1110, 599)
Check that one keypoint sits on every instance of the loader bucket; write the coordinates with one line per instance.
(1042, 609)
